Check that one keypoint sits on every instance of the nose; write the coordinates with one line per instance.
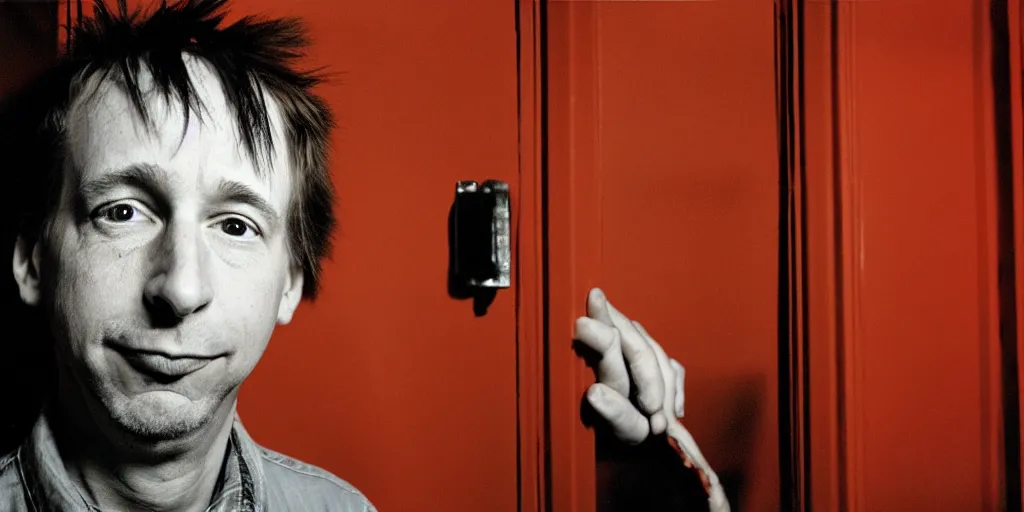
(179, 285)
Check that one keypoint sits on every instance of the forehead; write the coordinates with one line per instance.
(105, 132)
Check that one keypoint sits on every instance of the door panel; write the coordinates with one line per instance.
(689, 169)
(905, 261)
(386, 380)
(664, 154)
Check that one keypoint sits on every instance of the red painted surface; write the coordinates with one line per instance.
(903, 299)
(1015, 40)
(664, 192)
(386, 380)
(573, 240)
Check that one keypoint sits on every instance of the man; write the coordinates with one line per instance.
(184, 214)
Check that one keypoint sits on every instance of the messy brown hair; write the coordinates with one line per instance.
(253, 58)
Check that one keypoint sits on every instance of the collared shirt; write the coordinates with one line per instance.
(254, 479)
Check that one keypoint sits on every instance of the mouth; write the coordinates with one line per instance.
(162, 367)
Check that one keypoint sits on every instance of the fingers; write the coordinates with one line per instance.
(660, 419)
(680, 401)
(627, 423)
(599, 337)
(674, 393)
(597, 307)
(642, 361)
(630, 358)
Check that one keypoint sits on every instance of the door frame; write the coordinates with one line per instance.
(556, 94)
(820, 364)
(571, 208)
(530, 278)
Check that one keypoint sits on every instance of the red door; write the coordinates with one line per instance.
(664, 163)
(386, 380)
(908, 216)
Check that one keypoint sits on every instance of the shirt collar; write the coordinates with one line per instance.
(51, 489)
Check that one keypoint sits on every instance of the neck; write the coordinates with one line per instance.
(119, 472)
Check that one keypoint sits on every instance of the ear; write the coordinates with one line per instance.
(291, 296)
(26, 270)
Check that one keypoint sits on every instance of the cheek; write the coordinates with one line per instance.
(254, 306)
(250, 335)
(239, 262)
(249, 303)
(252, 280)
(89, 284)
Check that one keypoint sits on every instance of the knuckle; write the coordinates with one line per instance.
(649, 367)
(652, 400)
(616, 338)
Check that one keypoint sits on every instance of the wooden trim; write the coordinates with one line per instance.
(1015, 43)
(812, 221)
(1001, 446)
(573, 206)
(824, 208)
(999, 105)
(529, 262)
(68, 13)
(1007, 49)
(827, 428)
(790, 315)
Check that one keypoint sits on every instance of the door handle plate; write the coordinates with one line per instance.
(483, 242)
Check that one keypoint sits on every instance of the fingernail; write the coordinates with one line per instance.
(599, 295)
(595, 393)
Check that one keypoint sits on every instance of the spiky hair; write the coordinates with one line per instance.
(253, 58)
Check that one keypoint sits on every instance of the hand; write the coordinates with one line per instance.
(657, 384)
(657, 379)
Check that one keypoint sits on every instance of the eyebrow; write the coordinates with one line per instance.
(148, 177)
(143, 176)
(235, 192)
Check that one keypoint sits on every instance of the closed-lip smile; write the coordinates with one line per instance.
(159, 364)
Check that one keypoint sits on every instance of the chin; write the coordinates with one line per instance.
(160, 416)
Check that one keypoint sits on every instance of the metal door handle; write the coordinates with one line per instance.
(483, 249)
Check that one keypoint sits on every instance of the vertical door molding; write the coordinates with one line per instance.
(811, 268)
(901, 185)
(572, 205)
(1008, 105)
(529, 266)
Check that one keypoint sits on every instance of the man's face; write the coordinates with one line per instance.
(167, 265)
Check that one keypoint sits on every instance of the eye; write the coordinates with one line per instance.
(120, 213)
(123, 217)
(238, 228)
